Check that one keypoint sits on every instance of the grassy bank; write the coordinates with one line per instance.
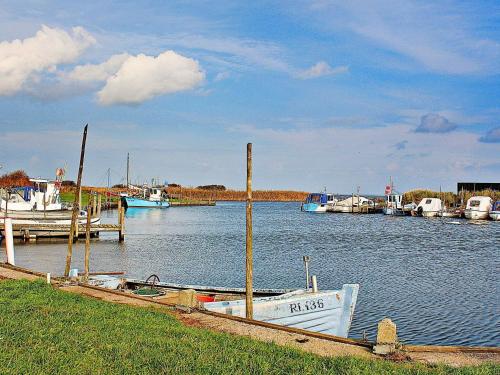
(69, 197)
(44, 330)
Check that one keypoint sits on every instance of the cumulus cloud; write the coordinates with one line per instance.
(22, 60)
(434, 123)
(98, 72)
(321, 69)
(492, 136)
(143, 77)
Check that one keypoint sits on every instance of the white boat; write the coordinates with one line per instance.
(429, 207)
(393, 201)
(352, 204)
(495, 211)
(327, 312)
(478, 208)
(42, 196)
(319, 202)
(449, 212)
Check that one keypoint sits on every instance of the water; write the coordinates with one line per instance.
(438, 282)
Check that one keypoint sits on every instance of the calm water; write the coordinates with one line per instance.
(437, 281)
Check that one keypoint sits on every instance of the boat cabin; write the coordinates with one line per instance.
(394, 201)
(153, 194)
(429, 206)
(482, 204)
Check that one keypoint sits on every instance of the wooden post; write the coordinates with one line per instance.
(76, 207)
(121, 234)
(87, 241)
(249, 255)
(99, 202)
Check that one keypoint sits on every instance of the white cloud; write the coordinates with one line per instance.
(434, 123)
(98, 72)
(321, 69)
(143, 77)
(21, 60)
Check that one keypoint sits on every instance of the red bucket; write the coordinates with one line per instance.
(205, 298)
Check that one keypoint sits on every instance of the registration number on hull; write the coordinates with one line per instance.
(309, 305)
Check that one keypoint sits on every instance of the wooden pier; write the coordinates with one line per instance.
(33, 231)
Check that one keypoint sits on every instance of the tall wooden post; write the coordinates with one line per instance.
(76, 207)
(249, 255)
(99, 203)
(87, 239)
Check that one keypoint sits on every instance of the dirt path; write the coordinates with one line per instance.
(309, 344)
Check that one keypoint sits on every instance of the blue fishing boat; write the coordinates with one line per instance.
(319, 202)
(152, 198)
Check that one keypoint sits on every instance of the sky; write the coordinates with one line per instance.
(335, 94)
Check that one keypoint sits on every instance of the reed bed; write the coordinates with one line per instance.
(450, 198)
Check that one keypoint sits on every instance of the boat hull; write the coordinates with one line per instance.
(430, 213)
(144, 203)
(327, 312)
(476, 214)
(393, 211)
(495, 215)
(314, 207)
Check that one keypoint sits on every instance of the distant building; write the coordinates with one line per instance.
(476, 186)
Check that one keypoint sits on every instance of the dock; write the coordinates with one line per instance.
(31, 232)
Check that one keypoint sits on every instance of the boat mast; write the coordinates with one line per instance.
(128, 166)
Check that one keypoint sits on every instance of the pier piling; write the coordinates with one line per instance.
(87, 240)
(249, 255)
(76, 206)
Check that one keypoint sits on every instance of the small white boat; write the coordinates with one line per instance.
(393, 201)
(319, 202)
(429, 207)
(327, 312)
(449, 212)
(353, 204)
(478, 208)
(495, 211)
(42, 196)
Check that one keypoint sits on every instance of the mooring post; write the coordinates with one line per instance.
(76, 207)
(99, 202)
(9, 241)
(121, 233)
(249, 255)
(87, 240)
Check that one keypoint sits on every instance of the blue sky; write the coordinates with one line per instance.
(331, 93)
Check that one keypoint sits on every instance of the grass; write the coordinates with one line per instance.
(47, 331)
(69, 197)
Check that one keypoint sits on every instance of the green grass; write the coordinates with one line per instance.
(47, 331)
(69, 197)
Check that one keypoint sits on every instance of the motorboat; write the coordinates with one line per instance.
(478, 208)
(152, 197)
(429, 207)
(495, 211)
(319, 202)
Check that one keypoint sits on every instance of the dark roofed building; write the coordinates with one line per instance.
(477, 186)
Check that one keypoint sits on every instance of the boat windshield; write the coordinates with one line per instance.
(474, 203)
(316, 198)
(496, 206)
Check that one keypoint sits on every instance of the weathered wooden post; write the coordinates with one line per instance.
(87, 240)
(121, 223)
(99, 202)
(249, 255)
(76, 207)
(9, 241)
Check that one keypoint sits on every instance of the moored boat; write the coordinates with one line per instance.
(319, 202)
(152, 198)
(495, 211)
(393, 201)
(353, 204)
(429, 207)
(478, 208)
(329, 311)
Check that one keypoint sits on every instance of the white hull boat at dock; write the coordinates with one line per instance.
(329, 311)
(478, 208)
(495, 211)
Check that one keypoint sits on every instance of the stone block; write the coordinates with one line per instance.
(386, 333)
(187, 298)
